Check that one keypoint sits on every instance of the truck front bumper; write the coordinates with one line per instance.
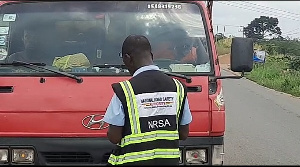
(202, 151)
(90, 151)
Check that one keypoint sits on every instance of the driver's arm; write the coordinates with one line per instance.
(191, 57)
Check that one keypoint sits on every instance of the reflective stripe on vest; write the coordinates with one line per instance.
(149, 136)
(144, 155)
(131, 106)
(180, 96)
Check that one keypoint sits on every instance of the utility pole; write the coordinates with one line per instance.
(243, 28)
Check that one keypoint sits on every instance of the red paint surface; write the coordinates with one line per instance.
(56, 108)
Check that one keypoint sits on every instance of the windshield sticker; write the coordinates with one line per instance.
(2, 40)
(99, 54)
(4, 30)
(9, 17)
(3, 53)
(164, 6)
(182, 67)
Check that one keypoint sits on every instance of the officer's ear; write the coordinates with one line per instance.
(127, 57)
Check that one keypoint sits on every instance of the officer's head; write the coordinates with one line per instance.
(136, 52)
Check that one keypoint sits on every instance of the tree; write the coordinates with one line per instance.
(262, 27)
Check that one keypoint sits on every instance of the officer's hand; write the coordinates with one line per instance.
(114, 133)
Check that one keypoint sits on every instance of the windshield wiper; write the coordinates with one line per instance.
(16, 63)
(20, 64)
(110, 65)
(40, 66)
(187, 78)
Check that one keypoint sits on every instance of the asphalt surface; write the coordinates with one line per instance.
(262, 125)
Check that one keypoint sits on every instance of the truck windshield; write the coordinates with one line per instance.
(82, 37)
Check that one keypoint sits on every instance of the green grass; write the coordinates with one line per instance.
(274, 75)
(224, 46)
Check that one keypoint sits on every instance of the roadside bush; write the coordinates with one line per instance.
(295, 63)
(224, 46)
(275, 74)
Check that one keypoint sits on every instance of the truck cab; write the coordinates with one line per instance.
(59, 59)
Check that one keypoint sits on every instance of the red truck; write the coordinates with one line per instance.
(59, 59)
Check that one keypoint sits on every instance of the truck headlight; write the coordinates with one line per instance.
(217, 154)
(3, 156)
(196, 156)
(23, 156)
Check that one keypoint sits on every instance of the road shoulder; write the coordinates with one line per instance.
(226, 67)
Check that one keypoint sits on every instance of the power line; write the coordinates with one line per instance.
(257, 11)
(291, 13)
(292, 33)
(287, 33)
(293, 30)
(265, 9)
(251, 8)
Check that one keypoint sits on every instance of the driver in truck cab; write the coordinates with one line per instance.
(170, 46)
(36, 42)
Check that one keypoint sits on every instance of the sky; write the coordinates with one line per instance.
(233, 14)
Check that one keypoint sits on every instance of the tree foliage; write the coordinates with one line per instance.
(262, 27)
(289, 48)
(285, 47)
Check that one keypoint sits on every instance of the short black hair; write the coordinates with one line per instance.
(136, 44)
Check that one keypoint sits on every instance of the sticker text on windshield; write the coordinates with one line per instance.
(164, 6)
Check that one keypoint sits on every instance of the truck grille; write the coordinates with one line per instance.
(105, 157)
(68, 157)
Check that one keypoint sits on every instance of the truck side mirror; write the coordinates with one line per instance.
(241, 54)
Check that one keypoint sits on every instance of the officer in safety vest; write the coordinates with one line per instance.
(149, 113)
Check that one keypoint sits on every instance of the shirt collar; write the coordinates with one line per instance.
(145, 68)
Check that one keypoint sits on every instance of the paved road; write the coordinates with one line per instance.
(262, 125)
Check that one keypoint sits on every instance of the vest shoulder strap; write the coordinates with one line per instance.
(131, 105)
(181, 96)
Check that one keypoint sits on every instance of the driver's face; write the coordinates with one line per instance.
(183, 47)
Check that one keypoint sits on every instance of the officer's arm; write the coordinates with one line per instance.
(114, 133)
(115, 117)
(186, 119)
(184, 131)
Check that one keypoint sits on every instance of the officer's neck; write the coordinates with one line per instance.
(140, 65)
(144, 63)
